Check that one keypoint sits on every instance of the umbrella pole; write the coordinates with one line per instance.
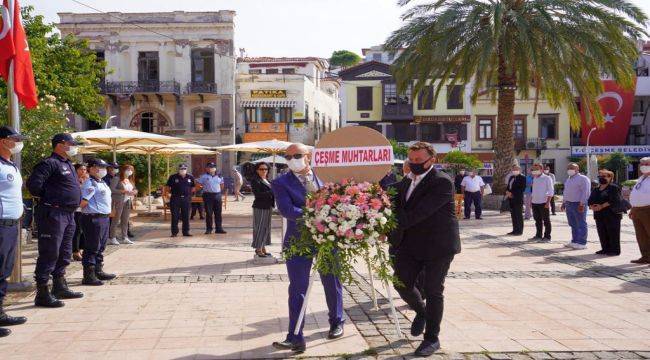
(114, 153)
(149, 180)
(168, 157)
(274, 173)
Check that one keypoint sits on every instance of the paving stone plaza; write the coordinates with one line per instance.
(204, 298)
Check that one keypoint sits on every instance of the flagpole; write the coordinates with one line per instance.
(16, 282)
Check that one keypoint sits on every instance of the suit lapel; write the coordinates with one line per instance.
(404, 188)
(420, 188)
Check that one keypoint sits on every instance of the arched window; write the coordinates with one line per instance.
(150, 121)
(202, 121)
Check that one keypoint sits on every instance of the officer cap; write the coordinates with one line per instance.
(182, 167)
(114, 165)
(63, 137)
(211, 165)
(7, 132)
(97, 162)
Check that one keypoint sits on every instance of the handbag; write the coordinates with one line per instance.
(487, 190)
(621, 206)
(505, 205)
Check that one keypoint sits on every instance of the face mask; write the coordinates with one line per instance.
(297, 165)
(418, 169)
(72, 151)
(547, 171)
(516, 172)
(571, 172)
(462, 172)
(212, 171)
(602, 180)
(101, 173)
(128, 173)
(471, 173)
(18, 147)
(182, 172)
(537, 172)
(645, 169)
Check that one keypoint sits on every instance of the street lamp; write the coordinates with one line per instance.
(588, 151)
(109, 121)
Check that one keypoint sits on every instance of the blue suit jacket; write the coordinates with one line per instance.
(290, 199)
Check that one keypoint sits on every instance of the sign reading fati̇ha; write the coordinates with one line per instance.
(353, 156)
(268, 93)
(639, 150)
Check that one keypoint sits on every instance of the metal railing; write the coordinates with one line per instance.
(201, 87)
(148, 86)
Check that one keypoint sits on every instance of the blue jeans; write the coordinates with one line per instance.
(577, 222)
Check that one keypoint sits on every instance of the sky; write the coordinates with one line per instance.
(275, 27)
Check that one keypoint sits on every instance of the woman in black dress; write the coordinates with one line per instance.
(608, 223)
(262, 207)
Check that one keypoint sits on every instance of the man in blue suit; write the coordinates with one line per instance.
(290, 190)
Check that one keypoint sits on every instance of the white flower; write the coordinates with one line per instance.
(383, 220)
(388, 211)
(332, 226)
(358, 232)
(331, 237)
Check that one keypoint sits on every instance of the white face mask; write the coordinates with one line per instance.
(182, 172)
(128, 173)
(645, 169)
(537, 172)
(297, 165)
(462, 172)
(516, 172)
(547, 171)
(72, 151)
(571, 172)
(212, 171)
(101, 173)
(18, 147)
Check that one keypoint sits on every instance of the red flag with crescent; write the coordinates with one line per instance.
(617, 105)
(14, 46)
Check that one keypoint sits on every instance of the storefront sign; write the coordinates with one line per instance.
(268, 93)
(353, 156)
(635, 150)
(298, 115)
(442, 119)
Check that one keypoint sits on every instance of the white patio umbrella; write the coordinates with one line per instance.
(273, 147)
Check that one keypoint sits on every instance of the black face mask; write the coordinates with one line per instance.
(418, 169)
(602, 180)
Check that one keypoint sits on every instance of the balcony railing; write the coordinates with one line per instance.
(131, 87)
(530, 144)
(197, 87)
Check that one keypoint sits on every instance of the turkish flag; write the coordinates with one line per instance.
(14, 46)
(616, 105)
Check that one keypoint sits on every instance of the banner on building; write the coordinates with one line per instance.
(616, 105)
(268, 93)
(633, 150)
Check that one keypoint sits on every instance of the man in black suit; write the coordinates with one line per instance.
(426, 239)
(515, 195)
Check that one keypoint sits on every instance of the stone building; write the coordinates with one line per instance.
(170, 73)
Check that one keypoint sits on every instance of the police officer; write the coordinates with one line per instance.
(11, 209)
(212, 185)
(181, 186)
(95, 212)
(111, 171)
(54, 181)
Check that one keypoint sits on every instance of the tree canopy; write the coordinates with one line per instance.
(344, 58)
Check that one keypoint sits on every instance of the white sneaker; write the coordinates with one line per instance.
(577, 246)
(113, 241)
(126, 240)
(569, 245)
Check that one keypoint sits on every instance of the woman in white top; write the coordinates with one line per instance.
(123, 190)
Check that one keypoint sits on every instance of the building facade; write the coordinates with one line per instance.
(289, 99)
(169, 73)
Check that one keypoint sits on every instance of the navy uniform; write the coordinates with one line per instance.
(54, 181)
(212, 184)
(11, 209)
(181, 186)
(95, 212)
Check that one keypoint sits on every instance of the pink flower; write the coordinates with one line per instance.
(320, 227)
(364, 208)
(359, 237)
(376, 204)
(349, 234)
(352, 190)
(345, 199)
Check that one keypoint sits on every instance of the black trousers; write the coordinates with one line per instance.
(179, 206)
(608, 225)
(212, 203)
(517, 216)
(96, 231)
(8, 243)
(78, 237)
(542, 220)
(55, 230)
(407, 269)
(553, 205)
(197, 207)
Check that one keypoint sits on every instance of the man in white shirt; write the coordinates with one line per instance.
(541, 199)
(473, 186)
(640, 213)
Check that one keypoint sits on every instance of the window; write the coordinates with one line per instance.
(250, 115)
(425, 98)
(285, 114)
(99, 57)
(149, 122)
(485, 126)
(519, 127)
(148, 66)
(202, 121)
(364, 98)
(271, 71)
(430, 132)
(202, 66)
(288, 71)
(390, 94)
(548, 126)
(255, 71)
(268, 114)
(376, 57)
(402, 132)
(455, 97)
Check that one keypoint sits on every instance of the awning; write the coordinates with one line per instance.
(268, 103)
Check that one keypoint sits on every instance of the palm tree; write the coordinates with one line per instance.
(557, 48)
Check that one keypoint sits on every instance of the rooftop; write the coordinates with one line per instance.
(181, 17)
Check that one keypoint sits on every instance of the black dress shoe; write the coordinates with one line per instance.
(221, 231)
(417, 327)
(288, 345)
(6, 320)
(174, 235)
(187, 235)
(511, 233)
(427, 348)
(607, 253)
(4, 332)
(208, 232)
(335, 332)
(600, 252)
